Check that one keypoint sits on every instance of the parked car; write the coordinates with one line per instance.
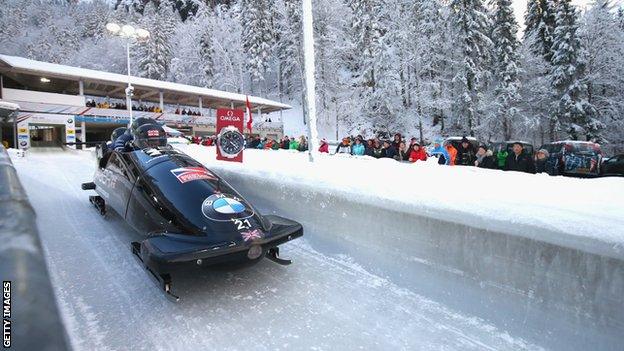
(456, 141)
(574, 158)
(613, 166)
(508, 145)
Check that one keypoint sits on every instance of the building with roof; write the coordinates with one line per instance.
(63, 104)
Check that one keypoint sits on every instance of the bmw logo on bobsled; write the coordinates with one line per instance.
(190, 216)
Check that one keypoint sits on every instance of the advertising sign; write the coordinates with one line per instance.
(230, 138)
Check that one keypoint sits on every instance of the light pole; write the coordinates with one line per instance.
(129, 33)
(310, 83)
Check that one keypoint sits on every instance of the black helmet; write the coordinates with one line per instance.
(149, 136)
(141, 121)
(117, 133)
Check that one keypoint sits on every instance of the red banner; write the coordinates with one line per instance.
(228, 143)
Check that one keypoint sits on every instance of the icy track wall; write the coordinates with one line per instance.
(35, 321)
(580, 283)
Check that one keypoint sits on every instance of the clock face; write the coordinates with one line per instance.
(231, 142)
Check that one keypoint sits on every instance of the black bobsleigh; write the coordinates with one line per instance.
(189, 215)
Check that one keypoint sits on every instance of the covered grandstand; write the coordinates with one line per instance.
(61, 103)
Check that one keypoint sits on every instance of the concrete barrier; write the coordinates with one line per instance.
(577, 282)
(34, 319)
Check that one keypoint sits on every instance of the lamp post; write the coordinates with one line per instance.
(130, 33)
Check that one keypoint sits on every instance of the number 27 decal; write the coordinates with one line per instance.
(241, 224)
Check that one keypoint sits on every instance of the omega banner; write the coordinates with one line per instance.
(230, 138)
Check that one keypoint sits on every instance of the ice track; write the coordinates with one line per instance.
(321, 302)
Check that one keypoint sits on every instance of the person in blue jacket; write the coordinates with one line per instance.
(440, 152)
(358, 148)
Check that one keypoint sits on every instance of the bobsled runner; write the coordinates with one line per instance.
(189, 215)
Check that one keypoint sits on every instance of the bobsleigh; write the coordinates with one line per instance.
(189, 215)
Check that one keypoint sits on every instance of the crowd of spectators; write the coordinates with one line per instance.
(464, 153)
(106, 104)
(286, 143)
(187, 112)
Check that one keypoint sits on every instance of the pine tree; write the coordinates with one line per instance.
(506, 64)
(572, 111)
(540, 26)
(206, 47)
(258, 36)
(289, 47)
(470, 17)
(155, 54)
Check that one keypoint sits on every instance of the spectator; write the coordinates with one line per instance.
(324, 148)
(255, 142)
(398, 139)
(294, 144)
(418, 153)
(413, 141)
(275, 145)
(485, 158)
(358, 148)
(452, 151)
(285, 143)
(401, 153)
(344, 147)
(519, 161)
(303, 144)
(261, 144)
(369, 146)
(465, 153)
(501, 157)
(269, 144)
(377, 150)
(441, 153)
(541, 162)
(389, 151)
(177, 111)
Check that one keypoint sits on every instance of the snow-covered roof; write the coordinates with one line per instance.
(46, 69)
(5, 105)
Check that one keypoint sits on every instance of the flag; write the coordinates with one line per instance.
(250, 119)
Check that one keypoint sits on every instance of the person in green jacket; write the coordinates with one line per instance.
(276, 146)
(294, 144)
(501, 158)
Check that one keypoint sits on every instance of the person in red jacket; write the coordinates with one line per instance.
(418, 153)
(324, 146)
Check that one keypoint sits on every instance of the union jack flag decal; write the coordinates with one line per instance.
(251, 235)
(189, 174)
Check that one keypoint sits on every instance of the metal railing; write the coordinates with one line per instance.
(29, 306)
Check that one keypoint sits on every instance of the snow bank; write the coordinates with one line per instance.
(554, 243)
(584, 214)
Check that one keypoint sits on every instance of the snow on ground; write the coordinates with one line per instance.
(586, 214)
(321, 302)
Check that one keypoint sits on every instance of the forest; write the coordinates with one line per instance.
(426, 68)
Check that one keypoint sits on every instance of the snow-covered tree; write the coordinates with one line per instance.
(155, 54)
(258, 36)
(470, 17)
(539, 29)
(603, 41)
(506, 65)
(573, 112)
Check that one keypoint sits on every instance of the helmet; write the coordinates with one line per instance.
(149, 136)
(117, 133)
(140, 122)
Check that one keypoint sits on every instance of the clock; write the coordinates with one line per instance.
(230, 142)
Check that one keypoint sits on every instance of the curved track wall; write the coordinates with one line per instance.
(576, 282)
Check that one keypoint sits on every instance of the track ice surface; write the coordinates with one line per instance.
(321, 302)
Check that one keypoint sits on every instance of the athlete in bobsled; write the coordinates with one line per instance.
(189, 215)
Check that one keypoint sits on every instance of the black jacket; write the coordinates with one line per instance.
(390, 152)
(488, 162)
(520, 163)
(465, 157)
